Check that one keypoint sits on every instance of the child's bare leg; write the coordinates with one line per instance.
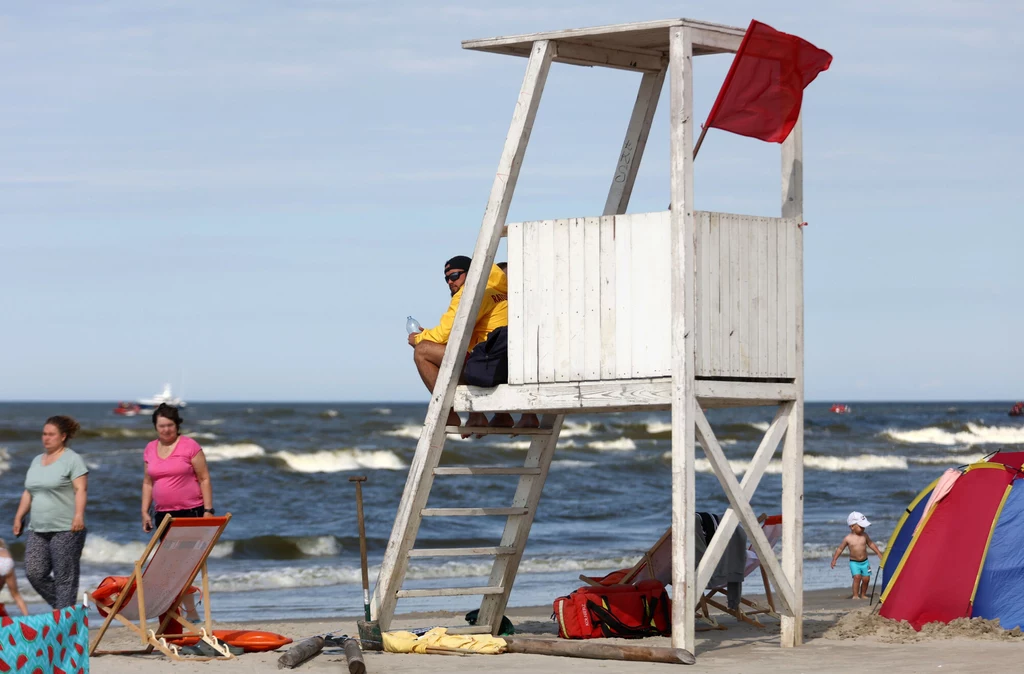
(188, 602)
(864, 586)
(856, 587)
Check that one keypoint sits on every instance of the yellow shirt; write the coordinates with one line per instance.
(493, 312)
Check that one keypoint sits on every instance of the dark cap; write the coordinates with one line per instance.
(458, 262)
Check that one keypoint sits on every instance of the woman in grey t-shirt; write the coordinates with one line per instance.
(56, 488)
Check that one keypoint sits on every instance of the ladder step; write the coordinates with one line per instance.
(485, 470)
(472, 512)
(492, 430)
(462, 552)
(449, 591)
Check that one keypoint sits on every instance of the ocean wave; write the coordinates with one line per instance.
(381, 410)
(619, 445)
(285, 577)
(5, 460)
(329, 414)
(658, 427)
(210, 422)
(947, 459)
(571, 428)
(513, 444)
(99, 550)
(412, 432)
(973, 434)
(285, 547)
(242, 450)
(838, 464)
(759, 425)
(339, 460)
(572, 463)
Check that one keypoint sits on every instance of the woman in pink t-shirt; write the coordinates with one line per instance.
(177, 481)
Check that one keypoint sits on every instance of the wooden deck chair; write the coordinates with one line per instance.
(772, 527)
(657, 563)
(161, 579)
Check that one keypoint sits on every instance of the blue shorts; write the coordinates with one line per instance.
(861, 568)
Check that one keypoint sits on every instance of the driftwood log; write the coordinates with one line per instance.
(593, 651)
(300, 652)
(354, 657)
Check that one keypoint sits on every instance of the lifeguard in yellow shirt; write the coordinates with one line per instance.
(487, 361)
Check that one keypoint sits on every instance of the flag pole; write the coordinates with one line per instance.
(696, 147)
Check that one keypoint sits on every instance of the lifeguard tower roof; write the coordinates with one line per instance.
(641, 46)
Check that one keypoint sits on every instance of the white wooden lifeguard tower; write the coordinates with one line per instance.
(681, 309)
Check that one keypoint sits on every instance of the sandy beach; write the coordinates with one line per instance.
(857, 645)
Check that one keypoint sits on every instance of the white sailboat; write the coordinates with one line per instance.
(164, 397)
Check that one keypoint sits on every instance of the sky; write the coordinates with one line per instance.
(246, 198)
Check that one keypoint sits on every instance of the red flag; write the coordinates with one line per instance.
(762, 93)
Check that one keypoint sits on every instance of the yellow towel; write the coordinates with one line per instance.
(407, 642)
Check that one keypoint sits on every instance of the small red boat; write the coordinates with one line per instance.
(839, 408)
(1017, 410)
(127, 409)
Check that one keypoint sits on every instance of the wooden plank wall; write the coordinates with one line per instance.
(589, 297)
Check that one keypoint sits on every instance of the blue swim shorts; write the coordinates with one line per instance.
(861, 568)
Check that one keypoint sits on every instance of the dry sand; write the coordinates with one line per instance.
(840, 636)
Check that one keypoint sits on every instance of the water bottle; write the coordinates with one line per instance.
(412, 325)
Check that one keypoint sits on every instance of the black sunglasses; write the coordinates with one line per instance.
(454, 276)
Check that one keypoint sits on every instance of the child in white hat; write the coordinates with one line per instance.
(858, 541)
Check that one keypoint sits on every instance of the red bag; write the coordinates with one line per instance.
(629, 611)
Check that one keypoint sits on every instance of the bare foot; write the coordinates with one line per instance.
(528, 421)
(453, 419)
(475, 419)
(502, 420)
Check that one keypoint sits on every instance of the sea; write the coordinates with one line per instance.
(291, 549)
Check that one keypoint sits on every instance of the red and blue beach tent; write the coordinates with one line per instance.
(963, 558)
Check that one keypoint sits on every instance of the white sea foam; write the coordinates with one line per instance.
(412, 431)
(319, 546)
(620, 445)
(947, 459)
(569, 429)
(864, 462)
(99, 550)
(381, 410)
(210, 422)
(5, 460)
(976, 434)
(512, 444)
(338, 460)
(242, 450)
(838, 464)
(330, 414)
(658, 427)
(759, 425)
(285, 577)
(572, 463)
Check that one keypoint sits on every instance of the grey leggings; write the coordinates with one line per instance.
(59, 552)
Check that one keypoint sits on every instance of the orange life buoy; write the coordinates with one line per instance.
(253, 641)
(105, 594)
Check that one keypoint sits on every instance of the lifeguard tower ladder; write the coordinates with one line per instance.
(682, 310)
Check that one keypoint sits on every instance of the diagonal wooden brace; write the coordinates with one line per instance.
(739, 503)
(765, 451)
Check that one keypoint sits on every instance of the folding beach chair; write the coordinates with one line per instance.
(772, 527)
(161, 579)
(657, 563)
